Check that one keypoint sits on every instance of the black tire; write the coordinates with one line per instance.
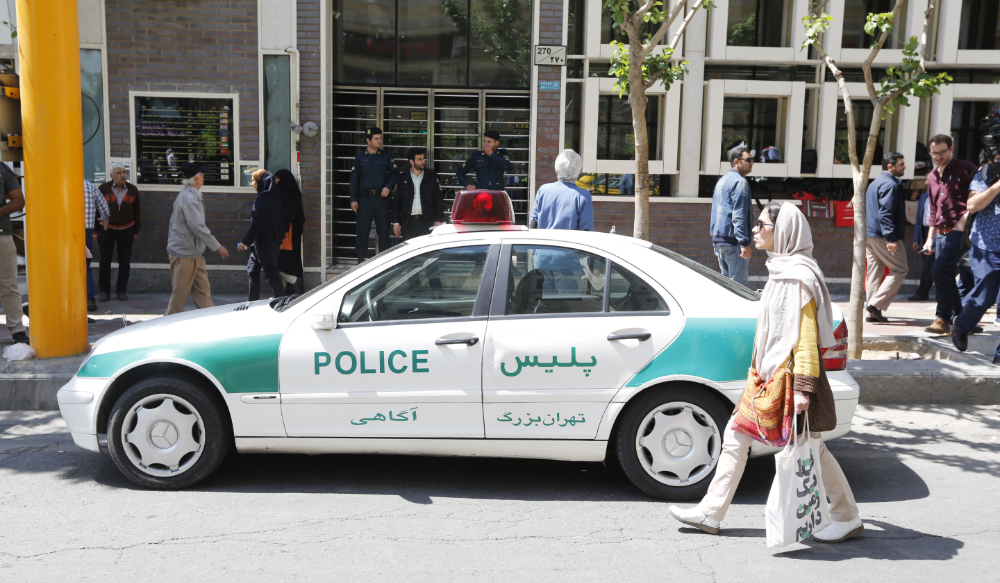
(695, 413)
(207, 437)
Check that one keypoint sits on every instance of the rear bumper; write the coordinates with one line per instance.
(845, 396)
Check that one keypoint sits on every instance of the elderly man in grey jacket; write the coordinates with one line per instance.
(186, 243)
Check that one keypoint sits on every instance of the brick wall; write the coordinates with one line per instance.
(184, 46)
(308, 30)
(546, 128)
(684, 227)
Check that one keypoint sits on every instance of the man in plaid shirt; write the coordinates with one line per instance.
(92, 198)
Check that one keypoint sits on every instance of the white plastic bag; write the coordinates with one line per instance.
(19, 351)
(797, 507)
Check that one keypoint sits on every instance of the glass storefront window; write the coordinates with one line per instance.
(364, 41)
(433, 46)
(754, 121)
(856, 14)
(576, 21)
(501, 42)
(757, 23)
(277, 112)
(573, 116)
(863, 112)
(965, 119)
(615, 134)
(92, 85)
(980, 25)
(172, 130)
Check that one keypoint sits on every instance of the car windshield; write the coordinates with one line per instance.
(740, 290)
(282, 307)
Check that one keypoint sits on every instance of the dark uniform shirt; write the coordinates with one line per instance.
(489, 170)
(372, 172)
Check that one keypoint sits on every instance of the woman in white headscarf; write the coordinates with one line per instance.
(796, 319)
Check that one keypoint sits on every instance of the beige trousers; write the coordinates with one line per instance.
(736, 448)
(10, 297)
(188, 276)
(881, 293)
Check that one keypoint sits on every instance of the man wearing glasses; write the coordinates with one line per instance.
(730, 225)
(948, 188)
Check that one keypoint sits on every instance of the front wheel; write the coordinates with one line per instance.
(166, 433)
(670, 440)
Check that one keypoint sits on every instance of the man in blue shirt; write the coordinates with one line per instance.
(373, 177)
(490, 163)
(984, 256)
(885, 223)
(563, 204)
(730, 225)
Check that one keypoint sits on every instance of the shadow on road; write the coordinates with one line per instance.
(880, 543)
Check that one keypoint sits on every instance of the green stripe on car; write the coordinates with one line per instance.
(717, 349)
(241, 365)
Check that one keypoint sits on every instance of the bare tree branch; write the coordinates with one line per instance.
(664, 27)
(817, 6)
(848, 105)
(867, 65)
(684, 25)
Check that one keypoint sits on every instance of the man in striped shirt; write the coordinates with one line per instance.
(92, 199)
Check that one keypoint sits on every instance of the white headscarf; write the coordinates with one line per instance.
(795, 278)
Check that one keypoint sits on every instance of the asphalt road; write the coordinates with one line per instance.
(927, 479)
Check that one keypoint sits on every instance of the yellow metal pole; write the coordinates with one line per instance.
(48, 39)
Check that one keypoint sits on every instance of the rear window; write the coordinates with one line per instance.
(712, 275)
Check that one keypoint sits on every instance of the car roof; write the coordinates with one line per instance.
(607, 241)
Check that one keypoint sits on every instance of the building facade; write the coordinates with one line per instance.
(242, 84)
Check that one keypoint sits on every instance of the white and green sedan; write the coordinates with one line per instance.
(471, 341)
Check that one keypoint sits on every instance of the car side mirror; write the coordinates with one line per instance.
(323, 322)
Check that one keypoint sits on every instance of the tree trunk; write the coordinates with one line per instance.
(637, 101)
(855, 317)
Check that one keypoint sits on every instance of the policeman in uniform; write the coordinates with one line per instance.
(490, 163)
(373, 177)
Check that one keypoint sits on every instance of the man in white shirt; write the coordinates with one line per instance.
(418, 204)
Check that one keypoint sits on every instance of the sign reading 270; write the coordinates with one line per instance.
(396, 361)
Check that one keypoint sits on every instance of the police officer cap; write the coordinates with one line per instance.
(492, 134)
(373, 131)
(190, 169)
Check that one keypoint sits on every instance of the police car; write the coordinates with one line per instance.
(479, 339)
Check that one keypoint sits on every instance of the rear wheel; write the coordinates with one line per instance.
(166, 433)
(670, 440)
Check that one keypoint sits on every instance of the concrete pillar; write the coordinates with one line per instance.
(691, 107)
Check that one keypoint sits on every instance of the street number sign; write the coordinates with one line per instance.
(550, 55)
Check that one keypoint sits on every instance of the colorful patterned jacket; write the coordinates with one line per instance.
(127, 214)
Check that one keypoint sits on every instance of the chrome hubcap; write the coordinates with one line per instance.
(163, 435)
(678, 444)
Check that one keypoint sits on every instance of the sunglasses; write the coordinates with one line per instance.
(761, 224)
(750, 160)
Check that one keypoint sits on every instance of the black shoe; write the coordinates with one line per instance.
(91, 305)
(996, 360)
(958, 338)
(105, 297)
(875, 314)
(976, 330)
(918, 298)
(122, 297)
(21, 337)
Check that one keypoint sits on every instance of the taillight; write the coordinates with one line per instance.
(835, 357)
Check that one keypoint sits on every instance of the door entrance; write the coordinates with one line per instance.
(449, 123)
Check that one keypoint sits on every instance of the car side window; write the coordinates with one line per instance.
(554, 280)
(630, 293)
(438, 284)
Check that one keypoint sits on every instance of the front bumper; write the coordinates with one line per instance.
(79, 401)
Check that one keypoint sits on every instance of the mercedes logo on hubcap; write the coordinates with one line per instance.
(163, 435)
(677, 443)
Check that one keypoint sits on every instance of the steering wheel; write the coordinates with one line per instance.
(372, 306)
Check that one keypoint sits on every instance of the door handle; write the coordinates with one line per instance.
(640, 336)
(471, 340)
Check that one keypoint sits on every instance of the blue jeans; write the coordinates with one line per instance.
(948, 254)
(732, 265)
(986, 269)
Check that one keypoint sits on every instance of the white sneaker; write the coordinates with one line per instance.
(288, 278)
(840, 531)
(997, 321)
(694, 518)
